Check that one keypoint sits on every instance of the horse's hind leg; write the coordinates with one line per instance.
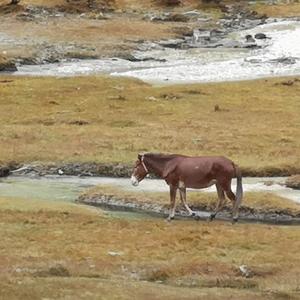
(232, 197)
(173, 191)
(221, 201)
(182, 191)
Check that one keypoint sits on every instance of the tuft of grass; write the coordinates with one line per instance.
(261, 118)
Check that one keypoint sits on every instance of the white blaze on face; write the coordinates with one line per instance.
(134, 181)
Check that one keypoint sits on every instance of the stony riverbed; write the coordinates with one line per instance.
(240, 45)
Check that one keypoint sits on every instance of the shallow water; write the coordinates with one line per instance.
(197, 64)
(68, 188)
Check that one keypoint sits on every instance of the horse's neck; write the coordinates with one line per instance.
(157, 164)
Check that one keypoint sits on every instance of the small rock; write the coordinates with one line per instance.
(260, 36)
(60, 172)
(246, 272)
(114, 253)
(151, 98)
(249, 38)
(174, 44)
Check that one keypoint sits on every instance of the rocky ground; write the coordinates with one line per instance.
(33, 34)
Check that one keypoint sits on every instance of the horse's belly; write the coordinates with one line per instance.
(196, 175)
(198, 184)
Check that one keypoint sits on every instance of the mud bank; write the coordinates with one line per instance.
(247, 214)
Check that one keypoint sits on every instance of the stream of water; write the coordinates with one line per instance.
(279, 56)
(68, 188)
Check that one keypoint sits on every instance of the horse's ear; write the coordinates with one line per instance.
(170, 167)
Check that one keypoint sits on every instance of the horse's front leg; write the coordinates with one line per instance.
(182, 191)
(173, 191)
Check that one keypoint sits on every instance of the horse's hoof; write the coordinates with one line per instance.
(234, 220)
(196, 217)
(211, 217)
(169, 219)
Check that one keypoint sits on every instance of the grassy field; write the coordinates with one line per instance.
(65, 251)
(52, 250)
(106, 119)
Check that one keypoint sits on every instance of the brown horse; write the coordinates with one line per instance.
(181, 172)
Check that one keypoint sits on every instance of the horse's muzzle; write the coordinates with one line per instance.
(134, 181)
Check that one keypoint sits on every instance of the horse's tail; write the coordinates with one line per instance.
(239, 186)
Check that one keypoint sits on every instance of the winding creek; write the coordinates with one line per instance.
(68, 188)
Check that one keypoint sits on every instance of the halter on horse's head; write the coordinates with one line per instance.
(140, 170)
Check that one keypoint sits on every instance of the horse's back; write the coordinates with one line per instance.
(209, 163)
(200, 170)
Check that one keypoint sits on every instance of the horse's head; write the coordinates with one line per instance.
(139, 171)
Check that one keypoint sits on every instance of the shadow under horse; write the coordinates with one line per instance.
(181, 172)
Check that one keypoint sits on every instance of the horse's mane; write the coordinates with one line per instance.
(163, 156)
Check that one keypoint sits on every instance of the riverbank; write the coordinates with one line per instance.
(61, 250)
(119, 170)
(107, 121)
(256, 206)
(38, 32)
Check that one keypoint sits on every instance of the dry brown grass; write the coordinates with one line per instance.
(258, 125)
(278, 10)
(92, 32)
(62, 251)
(117, 4)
